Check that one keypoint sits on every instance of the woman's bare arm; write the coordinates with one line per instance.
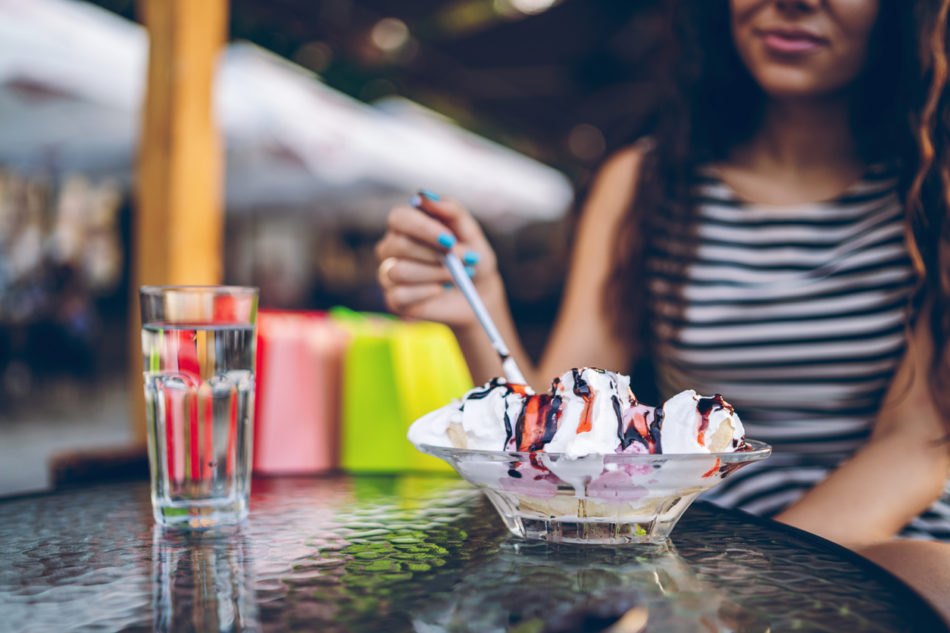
(900, 471)
(582, 334)
(582, 331)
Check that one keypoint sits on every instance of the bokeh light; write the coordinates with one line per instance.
(390, 34)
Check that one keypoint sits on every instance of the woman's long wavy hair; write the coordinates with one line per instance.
(901, 115)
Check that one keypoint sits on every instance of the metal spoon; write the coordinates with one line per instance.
(461, 278)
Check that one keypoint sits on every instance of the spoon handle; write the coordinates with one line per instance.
(457, 270)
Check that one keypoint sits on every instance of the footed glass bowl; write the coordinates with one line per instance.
(602, 499)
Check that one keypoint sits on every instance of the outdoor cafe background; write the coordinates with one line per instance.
(329, 113)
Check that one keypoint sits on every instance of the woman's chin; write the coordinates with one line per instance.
(796, 84)
(800, 93)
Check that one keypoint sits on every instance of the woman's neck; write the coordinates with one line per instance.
(803, 136)
(803, 151)
(796, 134)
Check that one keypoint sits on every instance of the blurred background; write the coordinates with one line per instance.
(330, 112)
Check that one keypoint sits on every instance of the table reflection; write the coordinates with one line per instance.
(202, 582)
(553, 588)
(355, 554)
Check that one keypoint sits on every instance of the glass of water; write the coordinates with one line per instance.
(198, 347)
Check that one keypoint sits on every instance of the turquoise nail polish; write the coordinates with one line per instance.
(431, 195)
(448, 285)
(470, 270)
(470, 257)
(415, 201)
(447, 240)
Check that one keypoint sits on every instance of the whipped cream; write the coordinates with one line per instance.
(586, 412)
(697, 424)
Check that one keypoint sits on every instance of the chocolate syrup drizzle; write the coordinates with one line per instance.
(655, 427)
(582, 390)
(615, 401)
(705, 407)
(538, 421)
(493, 384)
(649, 436)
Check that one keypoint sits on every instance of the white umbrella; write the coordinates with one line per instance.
(71, 83)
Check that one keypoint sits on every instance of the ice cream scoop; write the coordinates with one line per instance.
(587, 411)
(697, 424)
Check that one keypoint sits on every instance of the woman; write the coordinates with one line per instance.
(780, 238)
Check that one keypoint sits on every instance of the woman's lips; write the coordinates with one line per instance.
(791, 43)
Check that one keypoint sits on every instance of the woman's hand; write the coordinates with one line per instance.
(414, 280)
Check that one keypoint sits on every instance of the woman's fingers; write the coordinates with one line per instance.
(411, 273)
(472, 246)
(408, 284)
(417, 235)
(453, 215)
(401, 271)
(422, 227)
(401, 298)
(431, 302)
(402, 246)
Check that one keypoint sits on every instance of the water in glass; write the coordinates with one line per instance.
(199, 397)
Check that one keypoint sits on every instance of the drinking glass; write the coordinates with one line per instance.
(198, 347)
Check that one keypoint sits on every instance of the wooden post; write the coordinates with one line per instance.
(178, 223)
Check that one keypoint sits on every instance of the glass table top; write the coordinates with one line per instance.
(423, 554)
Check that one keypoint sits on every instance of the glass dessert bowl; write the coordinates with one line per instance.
(609, 499)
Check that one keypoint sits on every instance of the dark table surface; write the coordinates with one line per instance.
(412, 553)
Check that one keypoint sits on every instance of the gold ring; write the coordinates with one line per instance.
(382, 274)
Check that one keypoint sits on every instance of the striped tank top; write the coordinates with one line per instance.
(797, 315)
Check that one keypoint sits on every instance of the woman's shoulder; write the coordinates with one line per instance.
(620, 171)
(627, 160)
(615, 183)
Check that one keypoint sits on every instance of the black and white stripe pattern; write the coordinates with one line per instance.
(797, 315)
